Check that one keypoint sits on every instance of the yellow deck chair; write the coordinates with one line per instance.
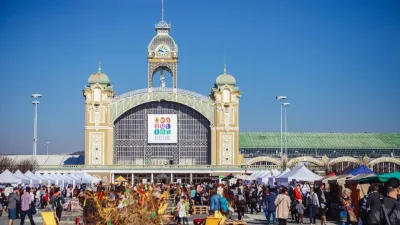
(49, 218)
(212, 221)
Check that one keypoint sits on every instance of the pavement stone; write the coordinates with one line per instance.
(69, 218)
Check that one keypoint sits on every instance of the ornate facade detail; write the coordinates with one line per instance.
(171, 67)
(344, 159)
(96, 120)
(122, 103)
(96, 148)
(227, 118)
(365, 160)
(384, 159)
(227, 151)
(325, 160)
(309, 159)
(264, 159)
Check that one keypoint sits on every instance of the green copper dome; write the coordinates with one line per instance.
(99, 77)
(225, 78)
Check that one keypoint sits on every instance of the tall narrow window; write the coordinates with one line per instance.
(97, 95)
(226, 97)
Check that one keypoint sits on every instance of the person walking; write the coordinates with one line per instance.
(312, 206)
(13, 199)
(282, 203)
(374, 205)
(271, 207)
(241, 205)
(183, 210)
(57, 202)
(253, 200)
(26, 204)
(300, 211)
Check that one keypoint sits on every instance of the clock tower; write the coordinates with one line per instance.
(162, 54)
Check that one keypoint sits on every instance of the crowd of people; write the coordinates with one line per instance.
(277, 203)
(21, 202)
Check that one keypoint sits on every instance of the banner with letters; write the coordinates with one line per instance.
(162, 128)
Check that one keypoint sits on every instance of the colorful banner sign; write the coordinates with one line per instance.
(162, 128)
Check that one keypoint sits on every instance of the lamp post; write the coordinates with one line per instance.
(36, 103)
(47, 147)
(286, 104)
(281, 99)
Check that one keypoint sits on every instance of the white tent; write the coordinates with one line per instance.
(8, 178)
(85, 178)
(263, 178)
(46, 177)
(245, 177)
(275, 172)
(33, 176)
(255, 174)
(300, 173)
(25, 179)
(271, 180)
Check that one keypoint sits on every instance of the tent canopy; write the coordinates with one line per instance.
(8, 178)
(382, 178)
(25, 179)
(121, 179)
(300, 173)
(361, 170)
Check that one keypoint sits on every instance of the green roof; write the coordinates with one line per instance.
(321, 140)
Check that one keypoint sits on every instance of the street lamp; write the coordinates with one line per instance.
(286, 104)
(281, 99)
(47, 147)
(36, 103)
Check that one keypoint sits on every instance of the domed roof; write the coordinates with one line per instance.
(99, 77)
(165, 39)
(225, 79)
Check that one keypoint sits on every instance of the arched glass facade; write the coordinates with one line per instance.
(130, 137)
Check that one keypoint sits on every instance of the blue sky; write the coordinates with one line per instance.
(337, 61)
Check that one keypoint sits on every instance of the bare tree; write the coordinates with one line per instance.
(26, 164)
(5, 163)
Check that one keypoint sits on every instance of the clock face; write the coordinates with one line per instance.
(162, 51)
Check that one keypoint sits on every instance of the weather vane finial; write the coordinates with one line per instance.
(99, 69)
(162, 10)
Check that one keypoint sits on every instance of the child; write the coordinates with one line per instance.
(322, 212)
(300, 211)
(183, 210)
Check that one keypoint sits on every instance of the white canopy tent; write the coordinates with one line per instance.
(46, 177)
(300, 173)
(33, 176)
(25, 179)
(8, 178)
(275, 172)
(85, 178)
(255, 174)
(245, 177)
(263, 178)
(271, 180)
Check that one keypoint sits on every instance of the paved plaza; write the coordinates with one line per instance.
(69, 218)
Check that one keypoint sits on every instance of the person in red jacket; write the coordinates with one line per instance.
(297, 193)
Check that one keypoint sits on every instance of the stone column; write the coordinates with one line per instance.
(190, 177)
(152, 178)
(112, 178)
(132, 178)
(172, 178)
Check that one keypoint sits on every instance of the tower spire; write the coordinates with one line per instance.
(162, 10)
(99, 68)
(224, 64)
